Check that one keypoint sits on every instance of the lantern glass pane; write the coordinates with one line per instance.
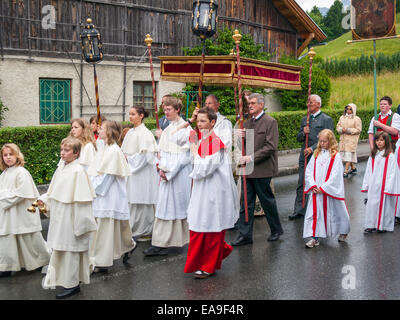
(204, 12)
(195, 12)
(213, 20)
(86, 47)
(95, 46)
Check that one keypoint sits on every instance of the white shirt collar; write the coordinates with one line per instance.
(317, 113)
(387, 114)
(259, 116)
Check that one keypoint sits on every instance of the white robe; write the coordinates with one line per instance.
(114, 236)
(87, 155)
(214, 203)
(326, 214)
(21, 241)
(140, 148)
(175, 160)
(223, 130)
(108, 175)
(69, 201)
(382, 192)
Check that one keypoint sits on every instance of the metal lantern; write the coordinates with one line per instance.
(205, 18)
(92, 48)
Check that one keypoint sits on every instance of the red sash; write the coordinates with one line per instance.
(209, 146)
(325, 197)
(387, 121)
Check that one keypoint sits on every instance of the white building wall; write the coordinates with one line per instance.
(19, 88)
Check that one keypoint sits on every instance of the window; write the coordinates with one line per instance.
(143, 95)
(55, 101)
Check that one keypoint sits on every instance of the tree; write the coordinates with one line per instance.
(317, 16)
(321, 85)
(333, 20)
(222, 45)
(398, 6)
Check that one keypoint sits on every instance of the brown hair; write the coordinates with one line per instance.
(141, 111)
(333, 145)
(174, 102)
(113, 131)
(123, 134)
(74, 143)
(15, 151)
(388, 145)
(87, 135)
(211, 115)
(95, 118)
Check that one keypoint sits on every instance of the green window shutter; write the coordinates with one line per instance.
(55, 101)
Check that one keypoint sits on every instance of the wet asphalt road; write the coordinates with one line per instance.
(366, 267)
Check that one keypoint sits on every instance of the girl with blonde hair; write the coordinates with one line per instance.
(21, 241)
(326, 214)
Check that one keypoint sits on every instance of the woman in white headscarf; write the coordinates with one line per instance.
(349, 127)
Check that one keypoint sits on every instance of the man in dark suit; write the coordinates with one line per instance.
(261, 163)
(318, 122)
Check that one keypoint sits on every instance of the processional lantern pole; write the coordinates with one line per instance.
(92, 52)
(204, 25)
(311, 55)
(148, 42)
(237, 37)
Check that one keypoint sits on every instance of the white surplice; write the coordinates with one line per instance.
(108, 175)
(175, 160)
(69, 200)
(382, 187)
(140, 149)
(214, 203)
(87, 155)
(21, 241)
(114, 236)
(326, 214)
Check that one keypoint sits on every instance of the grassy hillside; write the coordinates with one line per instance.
(360, 90)
(339, 49)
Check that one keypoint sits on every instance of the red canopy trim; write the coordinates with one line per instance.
(221, 70)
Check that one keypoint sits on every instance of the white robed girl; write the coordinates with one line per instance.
(113, 238)
(381, 186)
(170, 226)
(69, 203)
(81, 129)
(21, 241)
(140, 149)
(326, 214)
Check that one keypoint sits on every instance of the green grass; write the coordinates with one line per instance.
(360, 90)
(340, 50)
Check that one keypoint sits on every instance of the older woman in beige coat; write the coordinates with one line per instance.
(349, 127)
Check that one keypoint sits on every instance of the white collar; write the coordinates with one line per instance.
(259, 116)
(387, 114)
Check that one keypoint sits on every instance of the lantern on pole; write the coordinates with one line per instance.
(92, 52)
(311, 55)
(204, 25)
(148, 40)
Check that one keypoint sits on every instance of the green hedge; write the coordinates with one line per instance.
(41, 145)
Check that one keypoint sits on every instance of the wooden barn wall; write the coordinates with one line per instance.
(124, 24)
